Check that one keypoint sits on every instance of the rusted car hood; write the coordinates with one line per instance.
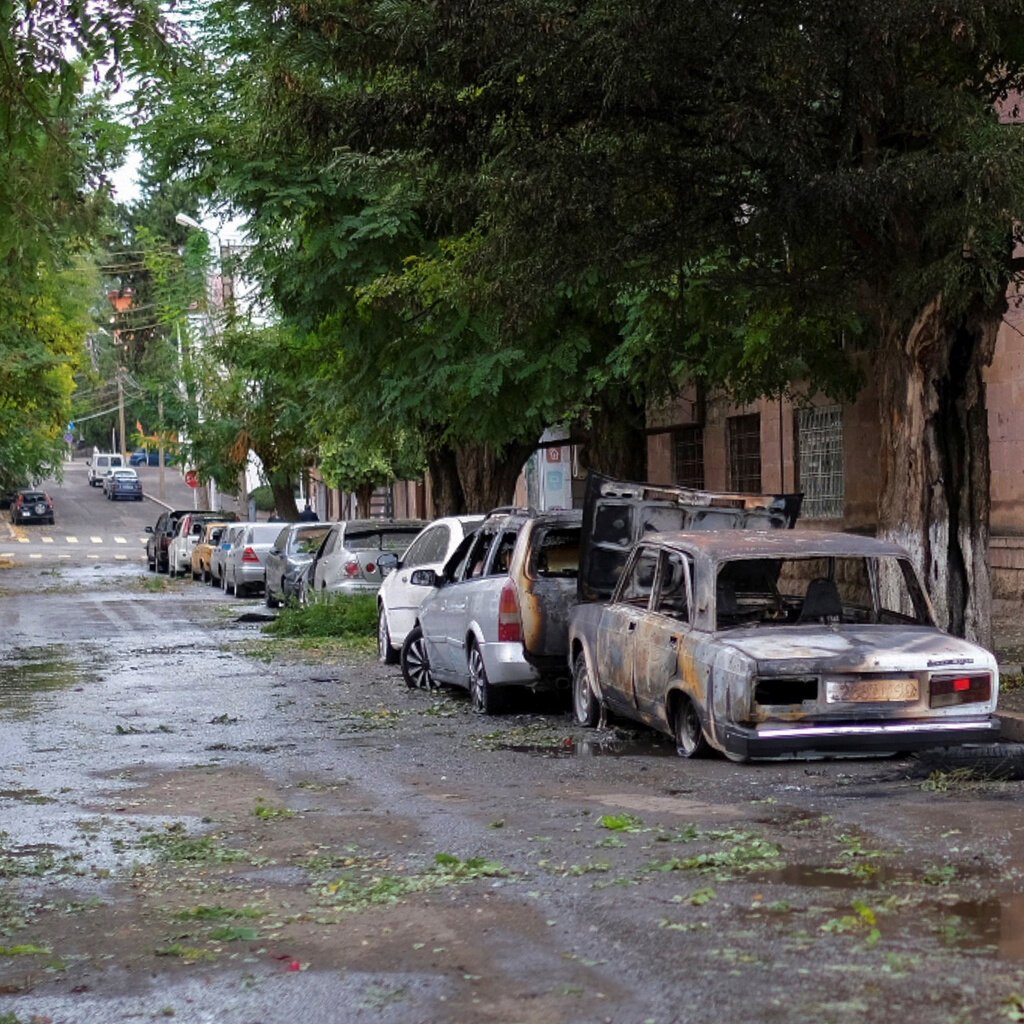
(896, 648)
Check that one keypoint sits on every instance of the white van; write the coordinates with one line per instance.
(101, 464)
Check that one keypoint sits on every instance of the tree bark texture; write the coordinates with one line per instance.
(488, 477)
(934, 497)
(364, 500)
(445, 489)
(616, 441)
(284, 498)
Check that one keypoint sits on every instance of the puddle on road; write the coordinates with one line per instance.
(599, 746)
(993, 927)
(26, 673)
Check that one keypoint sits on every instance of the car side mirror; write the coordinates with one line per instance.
(149, 529)
(425, 578)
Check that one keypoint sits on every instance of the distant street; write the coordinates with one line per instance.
(89, 529)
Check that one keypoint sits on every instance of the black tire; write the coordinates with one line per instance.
(415, 661)
(586, 710)
(998, 761)
(485, 699)
(689, 732)
(387, 654)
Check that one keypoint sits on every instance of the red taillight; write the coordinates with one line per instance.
(352, 568)
(510, 622)
(370, 567)
(248, 555)
(945, 691)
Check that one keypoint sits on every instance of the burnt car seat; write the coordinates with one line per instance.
(821, 602)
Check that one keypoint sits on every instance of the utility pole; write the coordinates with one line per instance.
(120, 411)
(160, 414)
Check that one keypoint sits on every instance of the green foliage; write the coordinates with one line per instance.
(352, 617)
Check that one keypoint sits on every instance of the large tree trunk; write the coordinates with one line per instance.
(616, 443)
(488, 478)
(284, 497)
(445, 489)
(934, 497)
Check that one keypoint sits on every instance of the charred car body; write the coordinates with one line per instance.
(766, 642)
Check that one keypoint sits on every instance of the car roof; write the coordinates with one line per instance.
(728, 544)
(381, 524)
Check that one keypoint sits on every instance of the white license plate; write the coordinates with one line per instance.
(871, 691)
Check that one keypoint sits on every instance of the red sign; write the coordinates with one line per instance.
(192, 478)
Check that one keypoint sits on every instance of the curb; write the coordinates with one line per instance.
(1011, 725)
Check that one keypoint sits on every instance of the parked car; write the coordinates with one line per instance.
(347, 560)
(243, 565)
(162, 532)
(31, 505)
(288, 558)
(142, 457)
(100, 464)
(399, 599)
(219, 553)
(209, 538)
(498, 617)
(187, 532)
(778, 644)
(122, 484)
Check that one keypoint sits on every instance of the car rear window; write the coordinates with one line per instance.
(308, 539)
(379, 540)
(34, 496)
(556, 552)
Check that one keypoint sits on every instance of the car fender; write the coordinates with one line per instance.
(578, 645)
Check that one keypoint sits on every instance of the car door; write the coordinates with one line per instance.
(326, 569)
(443, 612)
(664, 639)
(402, 598)
(619, 627)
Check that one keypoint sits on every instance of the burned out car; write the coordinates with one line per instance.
(779, 643)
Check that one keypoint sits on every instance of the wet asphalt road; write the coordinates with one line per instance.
(205, 825)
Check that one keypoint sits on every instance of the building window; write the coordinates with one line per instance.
(819, 447)
(743, 436)
(688, 457)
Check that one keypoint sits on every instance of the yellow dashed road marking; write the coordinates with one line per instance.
(71, 540)
(46, 540)
(35, 555)
(96, 540)
(121, 558)
(120, 540)
(23, 540)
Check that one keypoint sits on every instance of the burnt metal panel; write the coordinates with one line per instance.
(618, 513)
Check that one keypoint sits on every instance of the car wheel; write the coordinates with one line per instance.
(482, 695)
(585, 708)
(386, 653)
(690, 741)
(415, 661)
(229, 586)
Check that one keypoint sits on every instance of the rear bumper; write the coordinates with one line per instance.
(506, 665)
(781, 740)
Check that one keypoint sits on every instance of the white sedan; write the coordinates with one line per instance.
(399, 598)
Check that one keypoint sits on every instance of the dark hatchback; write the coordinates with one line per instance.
(124, 484)
(31, 506)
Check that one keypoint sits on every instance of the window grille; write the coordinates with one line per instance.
(819, 444)
(688, 457)
(743, 435)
